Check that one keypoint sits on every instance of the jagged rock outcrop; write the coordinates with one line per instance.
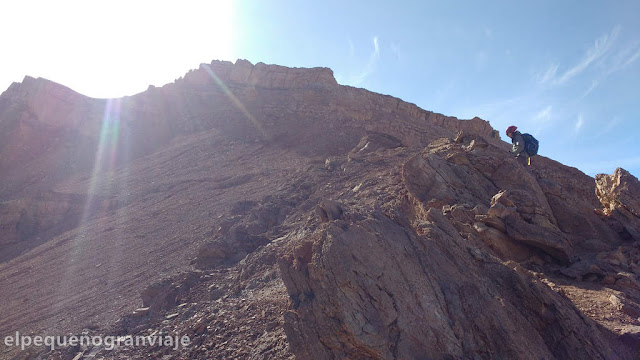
(350, 302)
(265, 76)
(619, 194)
(269, 212)
(434, 292)
(373, 142)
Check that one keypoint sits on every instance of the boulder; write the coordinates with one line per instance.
(329, 210)
(619, 194)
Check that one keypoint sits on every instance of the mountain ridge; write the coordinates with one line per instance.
(281, 214)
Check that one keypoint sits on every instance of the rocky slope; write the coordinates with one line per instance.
(269, 212)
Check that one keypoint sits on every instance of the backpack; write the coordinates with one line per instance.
(530, 144)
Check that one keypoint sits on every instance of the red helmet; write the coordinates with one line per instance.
(511, 129)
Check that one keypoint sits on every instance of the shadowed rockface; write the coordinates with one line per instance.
(269, 212)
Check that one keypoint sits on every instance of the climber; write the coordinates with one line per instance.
(524, 145)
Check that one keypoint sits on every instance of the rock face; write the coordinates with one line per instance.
(448, 284)
(620, 195)
(269, 212)
(265, 76)
(350, 302)
(23, 218)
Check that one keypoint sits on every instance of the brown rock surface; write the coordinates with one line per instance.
(619, 194)
(349, 301)
(268, 212)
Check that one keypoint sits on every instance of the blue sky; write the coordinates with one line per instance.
(566, 71)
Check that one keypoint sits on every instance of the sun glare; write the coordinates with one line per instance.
(115, 48)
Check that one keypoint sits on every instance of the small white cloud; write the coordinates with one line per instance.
(544, 115)
(598, 50)
(371, 64)
(352, 50)
(547, 75)
(633, 58)
(594, 84)
(623, 58)
(541, 120)
(579, 123)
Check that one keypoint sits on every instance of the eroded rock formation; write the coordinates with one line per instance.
(269, 212)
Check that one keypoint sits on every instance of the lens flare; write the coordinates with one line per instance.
(112, 150)
(235, 100)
